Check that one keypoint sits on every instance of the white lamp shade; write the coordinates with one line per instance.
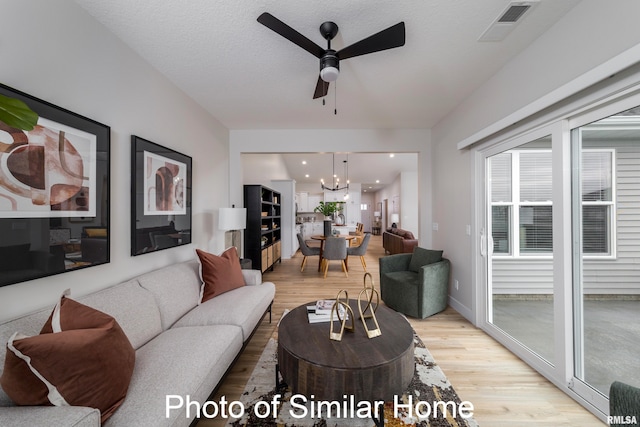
(232, 219)
(395, 218)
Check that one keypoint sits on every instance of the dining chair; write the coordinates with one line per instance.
(335, 248)
(306, 250)
(360, 250)
(359, 233)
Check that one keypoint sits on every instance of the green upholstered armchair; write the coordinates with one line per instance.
(624, 404)
(415, 284)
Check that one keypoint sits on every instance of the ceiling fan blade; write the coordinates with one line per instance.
(393, 36)
(290, 34)
(322, 88)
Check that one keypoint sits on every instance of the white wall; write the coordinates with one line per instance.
(55, 51)
(563, 55)
(263, 168)
(409, 201)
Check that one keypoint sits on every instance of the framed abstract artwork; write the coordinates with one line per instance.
(160, 197)
(54, 182)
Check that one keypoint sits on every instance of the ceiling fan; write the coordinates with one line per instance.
(393, 36)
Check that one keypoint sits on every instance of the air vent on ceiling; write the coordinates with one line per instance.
(507, 20)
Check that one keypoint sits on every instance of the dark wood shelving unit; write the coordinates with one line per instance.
(263, 233)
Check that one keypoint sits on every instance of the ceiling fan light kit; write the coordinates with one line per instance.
(329, 66)
(389, 38)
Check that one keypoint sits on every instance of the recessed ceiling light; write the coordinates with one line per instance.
(304, 162)
(392, 155)
(306, 176)
(377, 181)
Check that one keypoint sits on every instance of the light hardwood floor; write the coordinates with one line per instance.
(504, 390)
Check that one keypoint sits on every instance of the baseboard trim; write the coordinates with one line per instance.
(465, 311)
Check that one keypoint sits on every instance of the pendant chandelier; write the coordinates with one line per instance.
(336, 181)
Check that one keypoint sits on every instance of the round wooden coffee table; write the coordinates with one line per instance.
(371, 370)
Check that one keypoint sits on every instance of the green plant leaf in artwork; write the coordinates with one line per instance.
(17, 114)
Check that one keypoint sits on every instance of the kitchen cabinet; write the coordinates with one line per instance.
(302, 199)
(313, 201)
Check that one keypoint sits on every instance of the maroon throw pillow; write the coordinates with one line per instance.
(81, 358)
(219, 274)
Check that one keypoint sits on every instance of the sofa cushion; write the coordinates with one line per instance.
(422, 256)
(219, 274)
(81, 358)
(242, 307)
(176, 290)
(132, 306)
(180, 362)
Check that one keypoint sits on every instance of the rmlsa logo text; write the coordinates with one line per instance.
(622, 419)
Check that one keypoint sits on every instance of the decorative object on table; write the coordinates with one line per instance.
(369, 294)
(328, 209)
(54, 172)
(369, 311)
(232, 220)
(341, 303)
(160, 196)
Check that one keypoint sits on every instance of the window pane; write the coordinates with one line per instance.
(595, 229)
(500, 226)
(535, 176)
(535, 229)
(501, 177)
(596, 176)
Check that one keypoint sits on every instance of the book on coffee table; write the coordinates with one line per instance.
(321, 312)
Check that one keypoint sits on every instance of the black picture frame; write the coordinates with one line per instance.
(55, 186)
(160, 197)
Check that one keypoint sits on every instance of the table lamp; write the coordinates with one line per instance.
(232, 220)
(395, 219)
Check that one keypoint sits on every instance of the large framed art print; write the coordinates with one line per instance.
(54, 193)
(160, 197)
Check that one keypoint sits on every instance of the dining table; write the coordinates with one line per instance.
(322, 238)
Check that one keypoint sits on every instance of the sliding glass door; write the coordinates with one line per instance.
(560, 244)
(606, 221)
(520, 248)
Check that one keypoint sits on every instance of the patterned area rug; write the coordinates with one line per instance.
(428, 389)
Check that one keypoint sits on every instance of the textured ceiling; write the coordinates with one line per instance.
(249, 77)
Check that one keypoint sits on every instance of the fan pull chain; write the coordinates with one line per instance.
(335, 98)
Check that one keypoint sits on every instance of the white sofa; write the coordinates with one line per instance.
(182, 348)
